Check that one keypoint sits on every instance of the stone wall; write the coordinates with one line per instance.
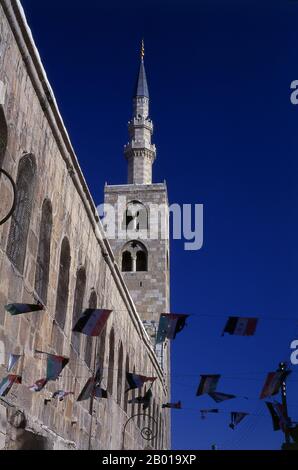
(35, 128)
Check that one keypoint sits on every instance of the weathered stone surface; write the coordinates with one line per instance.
(34, 126)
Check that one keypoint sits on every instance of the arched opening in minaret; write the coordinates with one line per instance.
(136, 217)
(134, 257)
(126, 261)
(141, 264)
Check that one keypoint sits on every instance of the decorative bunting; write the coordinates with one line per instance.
(205, 412)
(137, 381)
(294, 433)
(218, 397)
(38, 385)
(55, 365)
(92, 322)
(278, 416)
(243, 326)
(100, 392)
(8, 382)
(176, 406)
(13, 359)
(88, 389)
(17, 309)
(273, 383)
(61, 394)
(145, 400)
(236, 418)
(169, 325)
(208, 384)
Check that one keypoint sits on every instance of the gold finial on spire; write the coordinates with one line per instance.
(142, 50)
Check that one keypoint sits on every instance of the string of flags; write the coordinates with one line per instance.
(92, 322)
(174, 406)
(208, 385)
(169, 325)
(137, 381)
(61, 394)
(8, 382)
(12, 361)
(278, 416)
(236, 416)
(18, 309)
(55, 365)
(205, 412)
(273, 383)
(242, 326)
(145, 400)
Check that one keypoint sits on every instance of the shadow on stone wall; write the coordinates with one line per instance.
(22, 439)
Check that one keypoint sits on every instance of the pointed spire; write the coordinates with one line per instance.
(141, 88)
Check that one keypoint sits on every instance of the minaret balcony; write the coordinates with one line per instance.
(134, 148)
(139, 123)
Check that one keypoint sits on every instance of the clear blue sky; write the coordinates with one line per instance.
(219, 75)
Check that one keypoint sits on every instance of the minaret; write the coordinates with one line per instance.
(142, 257)
(140, 152)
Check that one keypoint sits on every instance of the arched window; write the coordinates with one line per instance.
(20, 221)
(126, 261)
(63, 284)
(161, 427)
(78, 304)
(120, 375)
(89, 339)
(133, 396)
(139, 406)
(44, 252)
(136, 217)
(134, 257)
(102, 348)
(111, 362)
(157, 427)
(3, 135)
(141, 264)
(126, 394)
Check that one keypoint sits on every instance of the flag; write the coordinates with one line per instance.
(13, 359)
(88, 389)
(169, 325)
(17, 309)
(137, 381)
(218, 397)
(38, 385)
(176, 406)
(294, 433)
(273, 383)
(92, 321)
(236, 418)
(100, 392)
(208, 384)
(243, 326)
(98, 375)
(61, 394)
(55, 365)
(205, 412)
(145, 400)
(8, 382)
(278, 416)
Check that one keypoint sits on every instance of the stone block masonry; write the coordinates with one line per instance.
(38, 142)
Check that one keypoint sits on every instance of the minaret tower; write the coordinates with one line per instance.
(141, 240)
(140, 152)
(141, 244)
